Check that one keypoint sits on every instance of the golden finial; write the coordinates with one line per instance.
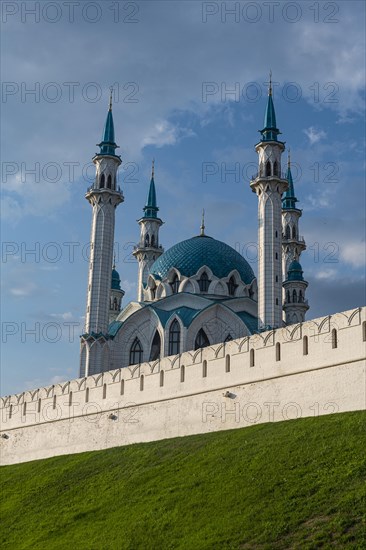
(153, 168)
(270, 82)
(110, 97)
(289, 158)
(202, 234)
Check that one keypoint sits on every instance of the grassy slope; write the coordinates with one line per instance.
(296, 484)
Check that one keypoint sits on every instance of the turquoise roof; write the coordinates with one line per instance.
(108, 145)
(289, 200)
(295, 271)
(116, 280)
(188, 256)
(151, 209)
(185, 314)
(270, 130)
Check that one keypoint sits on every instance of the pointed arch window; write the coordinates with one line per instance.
(232, 286)
(201, 340)
(294, 232)
(109, 182)
(102, 181)
(136, 352)
(288, 297)
(268, 168)
(175, 284)
(155, 347)
(288, 232)
(174, 338)
(147, 240)
(294, 296)
(204, 282)
(275, 168)
(152, 240)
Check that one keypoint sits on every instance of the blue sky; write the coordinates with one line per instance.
(190, 91)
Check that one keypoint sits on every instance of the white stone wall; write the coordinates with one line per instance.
(300, 370)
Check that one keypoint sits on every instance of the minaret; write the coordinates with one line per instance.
(295, 305)
(148, 249)
(115, 301)
(104, 196)
(269, 185)
(292, 243)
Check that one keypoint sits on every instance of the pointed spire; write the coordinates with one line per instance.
(151, 207)
(202, 228)
(270, 130)
(108, 145)
(289, 200)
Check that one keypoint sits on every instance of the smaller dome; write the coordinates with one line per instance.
(116, 280)
(295, 271)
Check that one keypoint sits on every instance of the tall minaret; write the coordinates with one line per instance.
(292, 243)
(269, 186)
(104, 196)
(148, 249)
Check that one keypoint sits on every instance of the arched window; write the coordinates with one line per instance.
(109, 182)
(142, 382)
(305, 345)
(182, 373)
(201, 340)
(204, 282)
(155, 347)
(275, 168)
(268, 168)
(39, 405)
(25, 408)
(251, 359)
(294, 296)
(175, 284)
(122, 387)
(153, 292)
(204, 369)
(102, 181)
(104, 391)
(288, 232)
(136, 352)
(147, 240)
(301, 297)
(227, 363)
(87, 395)
(161, 378)
(228, 338)
(334, 339)
(70, 399)
(278, 351)
(152, 240)
(54, 402)
(288, 297)
(231, 286)
(174, 338)
(294, 232)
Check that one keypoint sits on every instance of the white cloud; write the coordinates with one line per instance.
(27, 289)
(354, 253)
(68, 316)
(165, 133)
(314, 135)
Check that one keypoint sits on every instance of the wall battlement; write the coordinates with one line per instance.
(317, 367)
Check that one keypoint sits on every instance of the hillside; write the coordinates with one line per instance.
(296, 484)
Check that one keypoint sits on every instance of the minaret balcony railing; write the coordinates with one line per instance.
(291, 302)
(142, 245)
(299, 239)
(281, 175)
(92, 188)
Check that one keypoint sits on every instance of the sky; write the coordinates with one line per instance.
(190, 86)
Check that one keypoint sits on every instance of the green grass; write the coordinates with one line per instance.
(297, 484)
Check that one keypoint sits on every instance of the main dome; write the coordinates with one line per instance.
(188, 256)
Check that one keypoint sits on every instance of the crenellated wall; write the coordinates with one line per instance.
(313, 368)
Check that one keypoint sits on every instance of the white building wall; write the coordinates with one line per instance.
(130, 405)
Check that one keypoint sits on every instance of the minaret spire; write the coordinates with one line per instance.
(202, 234)
(270, 130)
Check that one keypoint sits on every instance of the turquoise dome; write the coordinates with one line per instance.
(116, 280)
(190, 255)
(295, 271)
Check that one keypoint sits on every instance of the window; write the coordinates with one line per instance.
(294, 232)
(152, 240)
(268, 168)
(276, 278)
(201, 340)
(231, 286)
(182, 373)
(161, 378)
(174, 338)
(102, 181)
(227, 363)
(155, 347)
(70, 399)
(275, 168)
(334, 339)
(39, 405)
(109, 182)
(301, 297)
(288, 297)
(122, 387)
(147, 240)
(25, 409)
(175, 284)
(204, 369)
(276, 256)
(104, 391)
(364, 331)
(276, 301)
(294, 296)
(287, 232)
(87, 395)
(142, 382)
(136, 352)
(305, 345)
(204, 282)
(251, 357)
(278, 351)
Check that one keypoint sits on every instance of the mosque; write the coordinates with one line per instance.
(201, 291)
